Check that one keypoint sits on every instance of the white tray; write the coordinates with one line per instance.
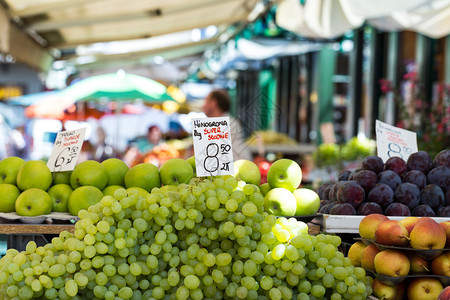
(54, 216)
(350, 223)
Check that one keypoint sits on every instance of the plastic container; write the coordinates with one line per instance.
(445, 280)
(427, 254)
(54, 217)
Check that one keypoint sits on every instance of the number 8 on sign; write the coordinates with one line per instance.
(394, 150)
(211, 162)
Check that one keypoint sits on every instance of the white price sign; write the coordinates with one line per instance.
(394, 141)
(212, 146)
(66, 149)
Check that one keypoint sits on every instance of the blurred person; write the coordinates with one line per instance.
(19, 143)
(176, 131)
(87, 152)
(4, 136)
(217, 104)
(139, 146)
(102, 150)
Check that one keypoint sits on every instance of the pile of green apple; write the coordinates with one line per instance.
(282, 195)
(422, 235)
(30, 189)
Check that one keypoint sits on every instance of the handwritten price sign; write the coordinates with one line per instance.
(66, 149)
(212, 146)
(394, 141)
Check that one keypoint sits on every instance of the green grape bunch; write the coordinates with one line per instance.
(209, 239)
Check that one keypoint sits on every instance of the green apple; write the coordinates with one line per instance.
(83, 197)
(176, 171)
(9, 194)
(61, 177)
(247, 171)
(89, 172)
(264, 188)
(137, 190)
(284, 173)
(144, 175)
(191, 161)
(280, 202)
(308, 202)
(34, 174)
(110, 189)
(8, 169)
(116, 170)
(33, 202)
(60, 194)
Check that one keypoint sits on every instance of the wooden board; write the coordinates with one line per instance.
(35, 229)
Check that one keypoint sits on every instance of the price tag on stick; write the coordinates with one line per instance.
(394, 141)
(212, 146)
(66, 149)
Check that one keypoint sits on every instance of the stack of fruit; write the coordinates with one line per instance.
(30, 189)
(418, 187)
(407, 256)
(190, 238)
(282, 195)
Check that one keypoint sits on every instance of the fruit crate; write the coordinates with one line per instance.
(350, 223)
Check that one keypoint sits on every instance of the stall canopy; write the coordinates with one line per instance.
(65, 24)
(331, 18)
(116, 87)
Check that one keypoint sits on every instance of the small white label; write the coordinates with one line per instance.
(66, 149)
(212, 146)
(394, 141)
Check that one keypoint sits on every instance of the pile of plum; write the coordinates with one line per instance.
(418, 187)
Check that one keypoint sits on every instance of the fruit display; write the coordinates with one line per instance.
(409, 258)
(30, 189)
(175, 236)
(270, 137)
(283, 197)
(417, 187)
(333, 155)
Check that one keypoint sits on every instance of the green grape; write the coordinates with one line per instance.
(71, 268)
(359, 273)
(223, 259)
(350, 281)
(191, 282)
(304, 286)
(250, 268)
(340, 273)
(266, 283)
(25, 292)
(352, 290)
(328, 280)
(18, 276)
(335, 296)
(275, 293)
(341, 287)
(71, 288)
(360, 287)
(278, 252)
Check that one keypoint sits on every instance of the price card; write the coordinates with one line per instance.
(212, 146)
(66, 149)
(394, 141)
